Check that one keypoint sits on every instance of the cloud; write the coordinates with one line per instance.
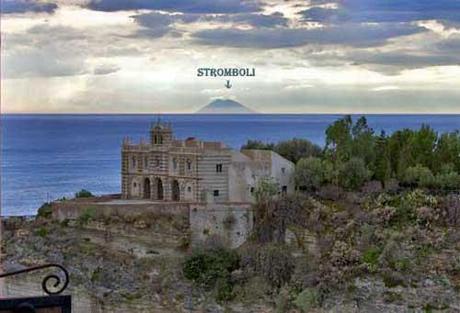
(46, 62)
(56, 51)
(378, 11)
(354, 35)
(105, 69)
(50, 55)
(186, 6)
(401, 60)
(24, 6)
(385, 88)
(451, 45)
(298, 86)
(252, 19)
(157, 24)
(154, 24)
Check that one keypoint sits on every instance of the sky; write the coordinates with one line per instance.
(311, 56)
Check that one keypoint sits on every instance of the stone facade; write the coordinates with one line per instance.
(166, 169)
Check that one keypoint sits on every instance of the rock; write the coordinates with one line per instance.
(140, 224)
(22, 233)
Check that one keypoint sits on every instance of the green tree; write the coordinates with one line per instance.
(399, 149)
(339, 139)
(83, 194)
(353, 174)
(382, 165)
(311, 173)
(448, 151)
(363, 141)
(296, 148)
(265, 190)
(423, 144)
(258, 145)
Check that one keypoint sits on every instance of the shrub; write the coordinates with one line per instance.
(42, 232)
(271, 261)
(45, 210)
(86, 216)
(418, 176)
(84, 194)
(392, 279)
(307, 300)
(406, 208)
(229, 221)
(447, 181)
(212, 269)
(427, 216)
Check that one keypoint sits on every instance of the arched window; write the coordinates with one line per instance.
(175, 191)
(157, 161)
(189, 164)
(175, 163)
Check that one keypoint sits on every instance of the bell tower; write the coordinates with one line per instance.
(161, 133)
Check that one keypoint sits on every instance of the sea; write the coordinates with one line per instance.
(46, 157)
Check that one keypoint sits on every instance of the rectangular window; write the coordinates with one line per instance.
(216, 193)
(218, 168)
(133, 162)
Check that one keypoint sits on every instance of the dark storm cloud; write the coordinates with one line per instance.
(354, 35)
(23, 6)
(106, 69)
(186, 6)
(154, 24)
(386, 11)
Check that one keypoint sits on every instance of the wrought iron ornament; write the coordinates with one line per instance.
(48, 279)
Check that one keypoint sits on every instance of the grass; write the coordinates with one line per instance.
(371, 258)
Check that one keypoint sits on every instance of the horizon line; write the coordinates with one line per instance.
(220, 114)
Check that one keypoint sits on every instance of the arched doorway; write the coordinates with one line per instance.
(175, 191)
(159, 189)
(146, 188)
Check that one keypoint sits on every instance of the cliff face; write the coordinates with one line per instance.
(333, 252)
